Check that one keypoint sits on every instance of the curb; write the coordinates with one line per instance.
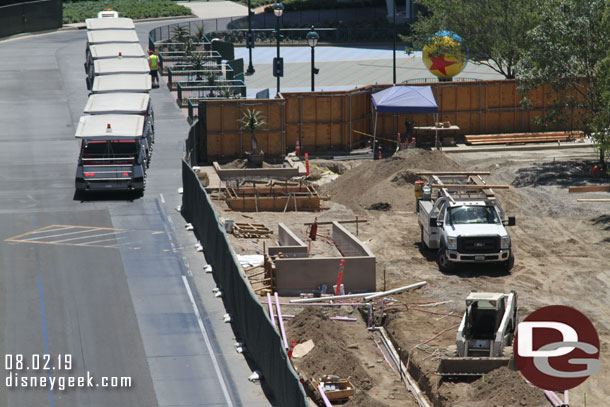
(82, 26)
(517, 148)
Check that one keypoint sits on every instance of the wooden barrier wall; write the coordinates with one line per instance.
(225, 139)
(326, 121)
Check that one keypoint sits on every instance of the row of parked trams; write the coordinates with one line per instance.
(117, 128)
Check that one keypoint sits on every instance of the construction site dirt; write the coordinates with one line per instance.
(562, 252)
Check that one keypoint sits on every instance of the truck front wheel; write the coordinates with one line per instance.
(443, 262)
(508, 264)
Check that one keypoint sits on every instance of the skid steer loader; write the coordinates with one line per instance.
(488, 326)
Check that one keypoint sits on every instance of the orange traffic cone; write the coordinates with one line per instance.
(292, 345)
(298, 147)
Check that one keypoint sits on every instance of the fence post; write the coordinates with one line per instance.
(190, 111)
(169, 77)
(202, 134)
(179, 99)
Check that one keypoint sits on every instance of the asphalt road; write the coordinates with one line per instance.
(102, 280)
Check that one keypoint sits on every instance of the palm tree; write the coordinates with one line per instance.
(180, 34)
(199, 33)
(197, 62)
(211, 82)
(252, 120)
(188, 46)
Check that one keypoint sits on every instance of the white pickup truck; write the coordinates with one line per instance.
(466, 226)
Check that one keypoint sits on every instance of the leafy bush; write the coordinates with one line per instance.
(78, 11)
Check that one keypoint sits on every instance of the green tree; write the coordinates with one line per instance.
(492, 30)
(569, 51)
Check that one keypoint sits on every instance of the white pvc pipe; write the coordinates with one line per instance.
(334, 297)
(270, 304)
(280, 321)
(323, 394)
(395, 290)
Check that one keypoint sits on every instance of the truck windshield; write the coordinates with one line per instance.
(110, 148)
(460, 215)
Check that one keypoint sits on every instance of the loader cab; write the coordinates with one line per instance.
(484, 313)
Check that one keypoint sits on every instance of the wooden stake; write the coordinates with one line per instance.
(264, 280)
(340, 221)
(589, 188)
(258, 273)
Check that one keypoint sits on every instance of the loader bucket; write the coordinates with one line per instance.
(469, 366)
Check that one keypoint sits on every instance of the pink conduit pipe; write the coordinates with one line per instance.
(553, 398)
(270, 304)
(280, 321)
(321, 390)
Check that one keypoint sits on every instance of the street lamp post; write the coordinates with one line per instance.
(278, 63)
(250, 41)
(394, 42)
(312, 40)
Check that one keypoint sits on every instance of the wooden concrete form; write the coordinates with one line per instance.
(296, 275)
(274, 197)
(232, 173)
(274, 203)
(328, 121)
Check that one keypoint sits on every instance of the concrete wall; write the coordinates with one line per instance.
(296, 275)
(287, 238)
(348, 244)
(290, 244)
(30, 16)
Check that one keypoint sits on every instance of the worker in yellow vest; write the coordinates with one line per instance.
(153, 64)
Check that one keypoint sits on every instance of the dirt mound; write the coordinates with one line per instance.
(329, 355)
(390, 179)
(501, 387)
(347, 350)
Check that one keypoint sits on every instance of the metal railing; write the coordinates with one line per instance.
(223, 27)
(212, 58)
(196, 75)
(204, 90)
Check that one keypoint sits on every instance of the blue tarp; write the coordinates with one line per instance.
(405, 99)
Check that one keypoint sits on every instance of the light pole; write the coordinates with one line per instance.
(278, 63)
(394, 42)
(250, 41)
(312, 40)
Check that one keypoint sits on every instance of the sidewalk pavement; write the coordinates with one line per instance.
(341, 68)
(215, 9)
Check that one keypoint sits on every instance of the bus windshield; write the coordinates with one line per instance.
(110, 148)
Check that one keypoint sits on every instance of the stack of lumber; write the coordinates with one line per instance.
(512, 138)
(251, 230)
